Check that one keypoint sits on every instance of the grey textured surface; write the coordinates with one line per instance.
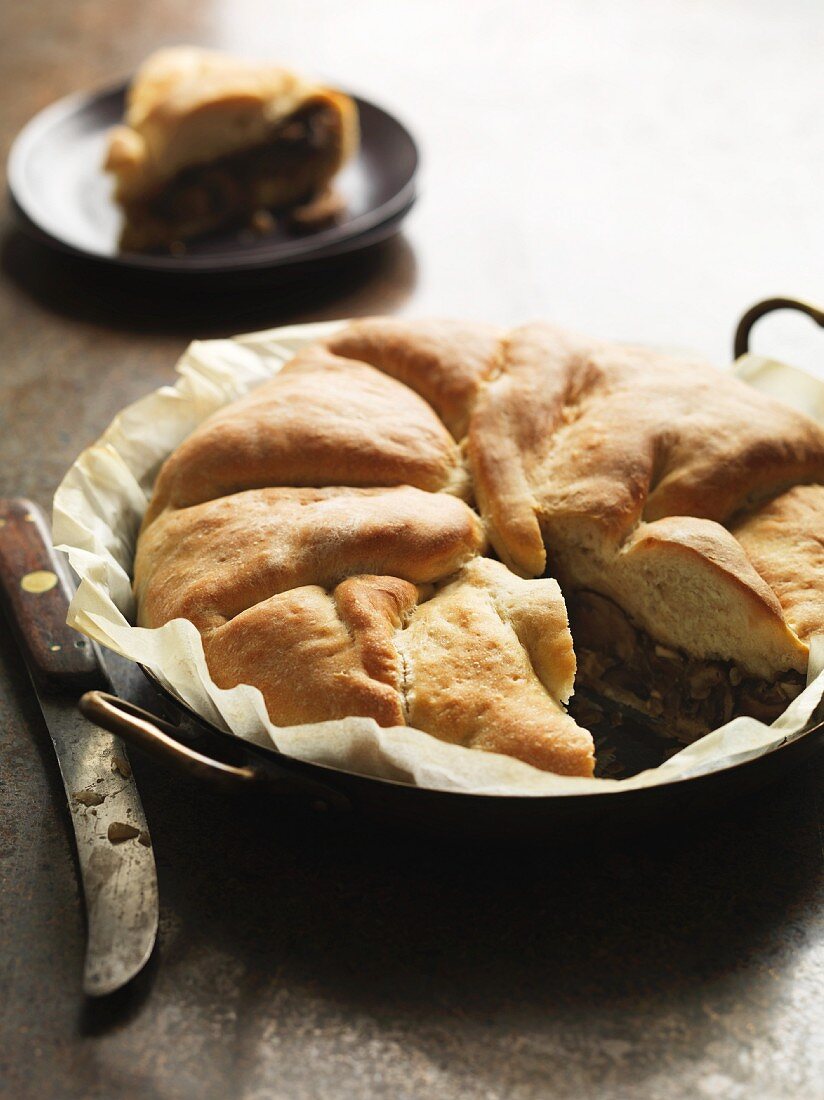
(637, 170)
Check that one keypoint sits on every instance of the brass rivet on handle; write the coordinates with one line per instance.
(38, 582)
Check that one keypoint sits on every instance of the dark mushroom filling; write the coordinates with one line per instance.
(678, 695)
(287, 170)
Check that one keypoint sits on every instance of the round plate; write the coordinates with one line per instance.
(58, 185)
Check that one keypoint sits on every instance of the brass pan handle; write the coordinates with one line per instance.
(158, 739)
(741, 344)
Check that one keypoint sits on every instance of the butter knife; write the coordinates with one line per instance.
(114, 851)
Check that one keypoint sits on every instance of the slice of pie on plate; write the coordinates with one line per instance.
(211, 141)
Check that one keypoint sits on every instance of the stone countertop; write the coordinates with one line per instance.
(639, 171)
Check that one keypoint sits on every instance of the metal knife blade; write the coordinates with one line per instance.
(113, 846)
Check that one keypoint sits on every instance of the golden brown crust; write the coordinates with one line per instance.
(322, 420)
(579, 446)
(316, 655)
(257, 573)
(473, 682)
(544, 375)
(209, 562)
(446, 362)
(784, 540)
(621, 434)
(313, 534)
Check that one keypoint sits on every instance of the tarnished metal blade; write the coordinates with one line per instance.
(113, 846)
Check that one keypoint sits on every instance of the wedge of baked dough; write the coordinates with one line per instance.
(489, 664)
(322, 420)
(210, 139)
(275, 581)
(210, 562)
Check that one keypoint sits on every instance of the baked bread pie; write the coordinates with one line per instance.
(210, 141)
(410, 518)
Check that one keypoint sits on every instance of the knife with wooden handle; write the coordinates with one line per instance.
(114, 851)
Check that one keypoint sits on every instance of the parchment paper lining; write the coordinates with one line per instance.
(97, 513)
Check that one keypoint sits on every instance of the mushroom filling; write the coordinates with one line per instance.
(282, 172)
(680, 695)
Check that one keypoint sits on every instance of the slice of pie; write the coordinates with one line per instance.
(210, 141)
(415, 522)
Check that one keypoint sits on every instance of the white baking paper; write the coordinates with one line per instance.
(97, 512)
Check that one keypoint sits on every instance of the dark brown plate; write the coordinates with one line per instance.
(60, 193)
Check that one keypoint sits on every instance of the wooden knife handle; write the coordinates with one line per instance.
(35, 590)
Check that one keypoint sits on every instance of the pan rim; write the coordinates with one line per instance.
(277, 758)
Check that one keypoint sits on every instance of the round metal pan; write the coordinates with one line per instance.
(202, 750)
(206, 752)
